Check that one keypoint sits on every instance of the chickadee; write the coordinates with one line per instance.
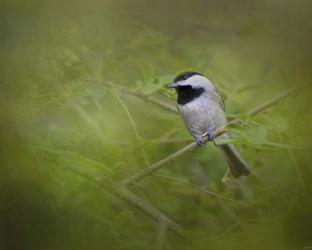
(202, 110)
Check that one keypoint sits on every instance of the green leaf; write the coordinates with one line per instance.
(165, 79)
(223, 141)
(150, 88)
(74, 159)
(280, 123)
(256, 136)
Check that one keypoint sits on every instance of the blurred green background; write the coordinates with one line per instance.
(66, 124)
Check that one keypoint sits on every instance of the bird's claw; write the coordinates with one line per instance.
(200, 142)
(210, 135)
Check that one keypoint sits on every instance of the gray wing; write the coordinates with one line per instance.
(218, 97)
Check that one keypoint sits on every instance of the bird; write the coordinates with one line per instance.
(202, 110)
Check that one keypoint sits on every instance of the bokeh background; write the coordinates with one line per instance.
(67, 123)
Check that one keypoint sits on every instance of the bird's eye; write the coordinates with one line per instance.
(184, 77)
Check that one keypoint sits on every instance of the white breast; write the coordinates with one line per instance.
(202, 114)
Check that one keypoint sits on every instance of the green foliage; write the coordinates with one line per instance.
(78, 80)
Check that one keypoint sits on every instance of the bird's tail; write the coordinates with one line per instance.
(236, 163)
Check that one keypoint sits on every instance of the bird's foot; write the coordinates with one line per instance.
(210, 137)
(200, 142)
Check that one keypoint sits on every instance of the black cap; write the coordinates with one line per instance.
(185, 75)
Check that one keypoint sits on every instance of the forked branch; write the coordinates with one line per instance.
(130, 197)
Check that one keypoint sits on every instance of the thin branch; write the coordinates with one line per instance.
(147, 208)
(147, 98)
(133, 199)
(162, 104)
(296, 166)
(273, 101)
(283, 146)
(294, 162)
(239, 223)
(156, 166)
(203, 190)
(161, 236)
(259, 109)
(262, 146)
(169, 141)
(226, 175)
(132, 122)
(87, 118)
(134, 126)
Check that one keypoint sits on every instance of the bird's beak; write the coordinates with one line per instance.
(173, 85)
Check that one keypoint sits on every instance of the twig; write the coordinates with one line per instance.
(156, 166)
(273, 101)
(147, 98)
(170, 141)
(148, 209)
(259, 109)
(134, 126)
(262, 146)
(161, 236)
(294, 162)
(296, 166)
(283, 146)
(133, 199)
(203, 190)
(239, 223)
(87, 118)
(226, 175)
